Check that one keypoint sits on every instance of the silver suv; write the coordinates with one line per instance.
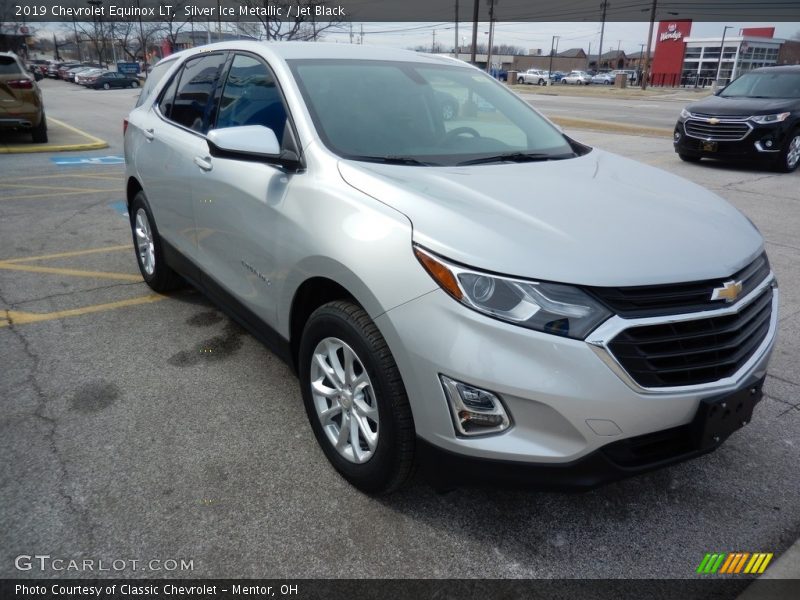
(437, 309)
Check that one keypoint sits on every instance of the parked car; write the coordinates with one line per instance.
(110, 79)
(603, 78)
(38, 65)
(629, 72)
(556, 76)
(21, 105)
(434, 313)
(577, 78)
(62, 70)
(86, 76)
(532, 76)
(756, 117)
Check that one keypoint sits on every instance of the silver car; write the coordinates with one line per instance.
(437, 309)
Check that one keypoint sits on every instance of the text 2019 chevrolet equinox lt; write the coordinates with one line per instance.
(438, 309)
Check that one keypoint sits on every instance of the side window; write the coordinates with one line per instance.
(251, 97)
(156, 74)
(191, 107)
(168, 96)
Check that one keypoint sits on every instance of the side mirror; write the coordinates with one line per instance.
(254, 140)
(254, 143)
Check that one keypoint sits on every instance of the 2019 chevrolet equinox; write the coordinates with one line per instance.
(437, 308)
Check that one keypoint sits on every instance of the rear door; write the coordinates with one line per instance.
(174, 130)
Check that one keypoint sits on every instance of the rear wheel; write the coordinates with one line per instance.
(106, 86)
(134, 84)
(355, 398)
(149, 250)
(790, 155)
(39, 133)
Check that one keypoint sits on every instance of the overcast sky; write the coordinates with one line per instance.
(629, 36)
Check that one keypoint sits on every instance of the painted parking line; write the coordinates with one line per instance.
(16, 317)
(69, 272)
(88, 160)
(93, 143)
(121, 207)
(82, 175)
(69, 254)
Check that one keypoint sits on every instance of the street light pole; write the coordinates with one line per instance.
(722, 49)
(646, 68)
(475, 8)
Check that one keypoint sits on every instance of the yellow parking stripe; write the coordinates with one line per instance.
(39, 186)
(63, 175)
(22, 318)
(68, 254)
(53, 195)
(71, 272)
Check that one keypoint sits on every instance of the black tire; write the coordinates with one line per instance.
(520, 80)
(163, 278)
(106, 86)
(782, 164)
(689, 158)
(134, 84)
(391, 463)
(39, 133)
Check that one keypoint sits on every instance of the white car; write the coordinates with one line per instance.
(436, 310)
(577, 78)
(533, 76)
(603, 78)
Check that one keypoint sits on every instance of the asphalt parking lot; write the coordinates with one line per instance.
(138, 426)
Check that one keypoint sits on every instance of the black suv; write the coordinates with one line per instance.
(756, 117)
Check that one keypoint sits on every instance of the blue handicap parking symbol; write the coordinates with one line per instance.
(88, 160)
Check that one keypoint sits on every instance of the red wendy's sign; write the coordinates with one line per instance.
(668, 56)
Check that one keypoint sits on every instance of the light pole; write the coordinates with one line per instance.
(553, 41)
(95, 4)
(722, 49)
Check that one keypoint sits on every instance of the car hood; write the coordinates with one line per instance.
(598, 219)
(719, 105)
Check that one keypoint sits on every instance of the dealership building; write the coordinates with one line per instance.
(680, 59)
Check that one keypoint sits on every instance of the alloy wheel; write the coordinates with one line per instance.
(145, 248)
(344, 400)
(793, 152)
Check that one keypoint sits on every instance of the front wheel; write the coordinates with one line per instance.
(134, 84)
(520, 80)
(355, 399)
(790, 156)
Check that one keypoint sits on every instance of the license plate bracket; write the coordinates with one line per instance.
(719, 417)
(709, 146)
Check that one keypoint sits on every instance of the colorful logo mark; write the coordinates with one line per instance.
(734, 563)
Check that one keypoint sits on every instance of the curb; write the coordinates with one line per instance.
(612, 127)
(95, 143)
(786, 567)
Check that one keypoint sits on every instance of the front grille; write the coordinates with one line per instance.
(694, 296)
(696, 351)
(724, 131)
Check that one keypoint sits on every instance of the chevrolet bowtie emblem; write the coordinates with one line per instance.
(729, 291)
(713, 120)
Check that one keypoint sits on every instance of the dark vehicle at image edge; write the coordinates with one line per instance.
(755, 118)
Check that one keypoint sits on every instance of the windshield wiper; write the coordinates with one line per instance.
(518, 157)
(395, 160)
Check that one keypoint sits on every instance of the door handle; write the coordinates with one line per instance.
(149, 134)
(203, 162)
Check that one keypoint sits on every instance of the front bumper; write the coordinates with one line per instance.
(762, 143)
(568, 405)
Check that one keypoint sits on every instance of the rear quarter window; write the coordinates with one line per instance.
(9, 66)
(153, 78)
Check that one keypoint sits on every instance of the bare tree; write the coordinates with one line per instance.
(298, 28)
(172, 26)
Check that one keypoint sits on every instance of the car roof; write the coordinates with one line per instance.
(323, 50)
(778, 68)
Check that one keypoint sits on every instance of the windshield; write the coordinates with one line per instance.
(764, 85)
(415, 113)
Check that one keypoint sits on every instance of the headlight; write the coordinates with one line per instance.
(547, 307)
(685, 114)
(766, 119)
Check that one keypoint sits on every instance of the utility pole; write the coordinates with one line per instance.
(553, 44)
(433, 42)
(491, 37)
(351, 32)
(455, 45)
(361, 39)
(475, 7)
(604, 6)
(722, 50)
(646, 68)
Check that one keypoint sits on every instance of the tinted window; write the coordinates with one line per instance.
(192, 106)
(8, 66)
(168, 96)
(251, 97)
(765, 85)
(156, 75)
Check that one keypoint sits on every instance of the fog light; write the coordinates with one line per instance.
(475, 411)
(676, 136)
(768, 143)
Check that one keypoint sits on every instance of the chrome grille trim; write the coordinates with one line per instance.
(725, 130)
